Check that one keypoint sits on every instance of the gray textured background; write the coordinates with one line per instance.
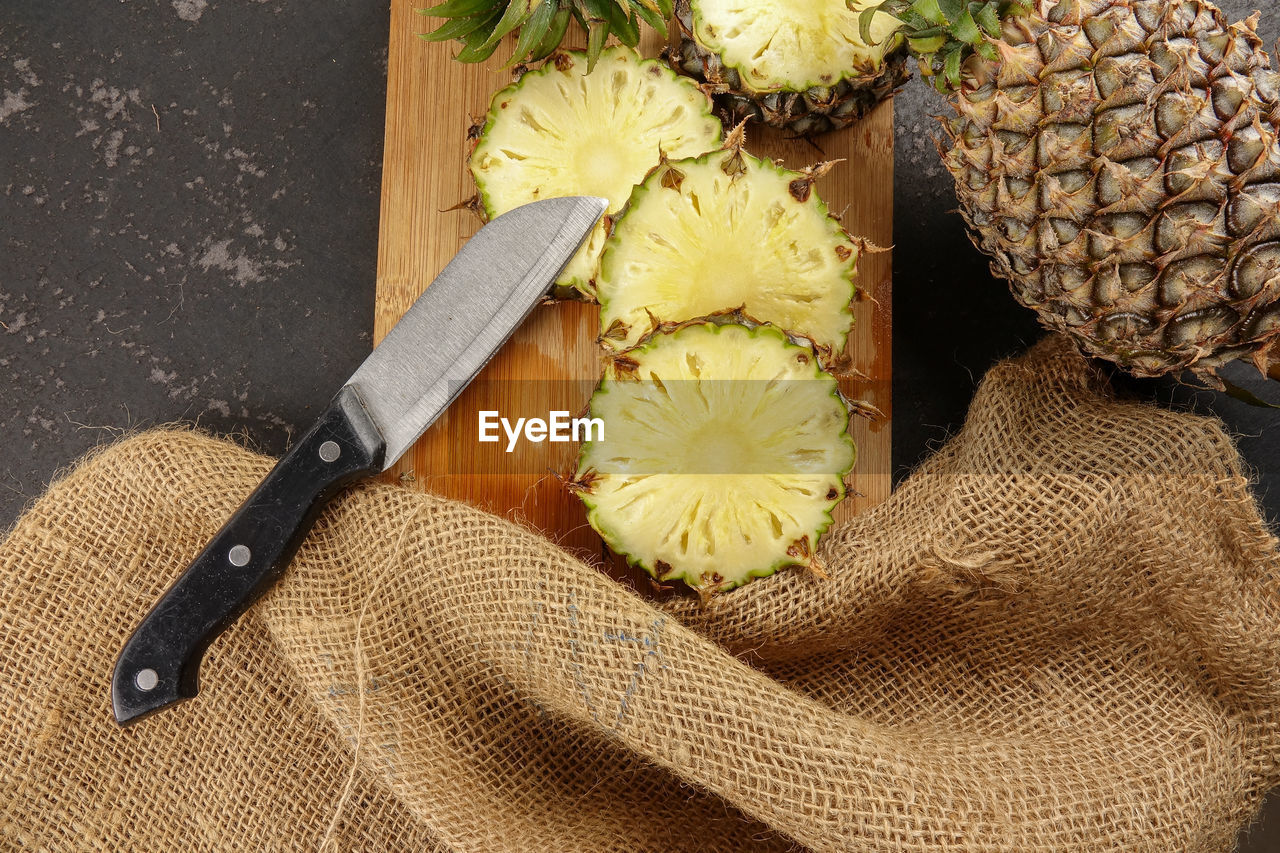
(189, 212)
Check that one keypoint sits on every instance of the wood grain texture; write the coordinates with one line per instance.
(553, 362)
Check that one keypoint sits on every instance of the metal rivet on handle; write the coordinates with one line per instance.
(330, 451)
(146, 679)
(239, 555)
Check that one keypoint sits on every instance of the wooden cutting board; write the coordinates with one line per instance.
(553, 362)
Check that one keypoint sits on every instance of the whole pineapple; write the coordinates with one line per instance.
(1118, 160)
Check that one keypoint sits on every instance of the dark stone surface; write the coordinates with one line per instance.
(190, 219)
(188, 226)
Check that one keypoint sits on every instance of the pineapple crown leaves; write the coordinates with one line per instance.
(942, 34)
(480, 25)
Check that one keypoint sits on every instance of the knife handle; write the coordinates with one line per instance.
(160, 664)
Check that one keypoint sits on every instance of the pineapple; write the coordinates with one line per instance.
(727, 231)
(722, 457)
(806, 65)
(560, 131)
(1118, 160)
(541, 24)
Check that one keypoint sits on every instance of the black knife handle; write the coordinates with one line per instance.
(160, 664)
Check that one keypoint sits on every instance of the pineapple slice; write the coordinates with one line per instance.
(805, 65)
(722, 232)
(562, 131)
(792, 44)
(723, 453)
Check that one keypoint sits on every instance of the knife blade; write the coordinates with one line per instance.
(423, 364)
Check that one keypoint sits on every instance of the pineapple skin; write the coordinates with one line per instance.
(806, 111)
(1120, 165)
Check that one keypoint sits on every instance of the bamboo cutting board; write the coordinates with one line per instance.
(552, 362)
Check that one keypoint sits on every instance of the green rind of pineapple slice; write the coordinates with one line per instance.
(561, 131)
(723, 454)
(727, 231)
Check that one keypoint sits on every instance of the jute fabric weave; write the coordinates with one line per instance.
(1062, 633)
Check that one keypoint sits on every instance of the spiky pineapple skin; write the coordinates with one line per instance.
(1120, 165)
(808, 111)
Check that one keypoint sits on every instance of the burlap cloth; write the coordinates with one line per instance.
(1061, 633)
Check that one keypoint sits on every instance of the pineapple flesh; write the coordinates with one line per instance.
(804, 65)
(722, 232)
(723, 454)
(1119, 162)
(561, 131)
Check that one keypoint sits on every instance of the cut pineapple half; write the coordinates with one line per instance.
(723, 453)
(723, 232)
(793, 45)
(560, 131)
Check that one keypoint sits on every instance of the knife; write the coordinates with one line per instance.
(422, 365)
